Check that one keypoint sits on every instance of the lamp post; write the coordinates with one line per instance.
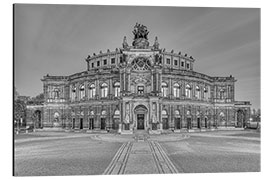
(20, 123)
(34, 122)
(17, 121)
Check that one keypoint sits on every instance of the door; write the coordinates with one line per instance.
(126, 126)
(189, 126)
(165, 123)
(177, 123)
(39, 119)
(154, 126)
(115, 124)
(81, 123)
(103, 124)
(140, 121)
(91, 123)
(73, 123)
(198, 122)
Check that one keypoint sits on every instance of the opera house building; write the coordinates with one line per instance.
(139, 86)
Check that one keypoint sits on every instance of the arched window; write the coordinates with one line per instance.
(164, 113)
(103, 112)
(104, 90)
(221, 114)
(140, 89)
(198, 92)
(117, 89)
(164, 89)
(73, 93)
(56, 93)
(92, 91)
(177, 113)
(92, 113)
(229, 91)
(50, 92)
(56, 116)
(221, 94)
(205, 93)
(117, 112)
(176, 90)
(82, 91)
(188, 91)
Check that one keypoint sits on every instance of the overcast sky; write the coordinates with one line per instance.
(55, 39)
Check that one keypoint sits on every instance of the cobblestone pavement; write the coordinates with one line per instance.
(46, 153)
(141, 156)
(68, 154)
(216, 152)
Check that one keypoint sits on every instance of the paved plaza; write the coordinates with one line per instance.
(62, 153)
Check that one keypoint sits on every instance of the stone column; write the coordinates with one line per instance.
(122, 81)
(121, 117)
(97, 114)
(77, 91)
(158, 111)
(171, 117)
(88, 66)
(170, 88)
(111, 92)
(160, 114)
(128, 80)
(97, 88)
(131, 116)
(85, 120)
(152, 81)
(86, 90)
(157, 82)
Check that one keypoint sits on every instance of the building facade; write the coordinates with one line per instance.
(139, 87)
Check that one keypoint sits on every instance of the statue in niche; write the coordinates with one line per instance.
(127, 119)
(158, 59)
(154, 118)
(124, 59)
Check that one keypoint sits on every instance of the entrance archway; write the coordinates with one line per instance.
(37, 122)
(240, 118)
(140, 115)
(177, 120)
(56, 121)
(165, 121)
(81, 123)
(205, 121)
(91, 123)
(73, 123)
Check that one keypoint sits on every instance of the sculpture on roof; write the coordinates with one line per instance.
(156, 44)
(125, 44)
(140, 37)
(140, 31)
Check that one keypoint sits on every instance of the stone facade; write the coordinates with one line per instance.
(140, 86)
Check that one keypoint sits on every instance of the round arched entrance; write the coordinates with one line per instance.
(37, 119)
(140, 112)
(240, 118)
